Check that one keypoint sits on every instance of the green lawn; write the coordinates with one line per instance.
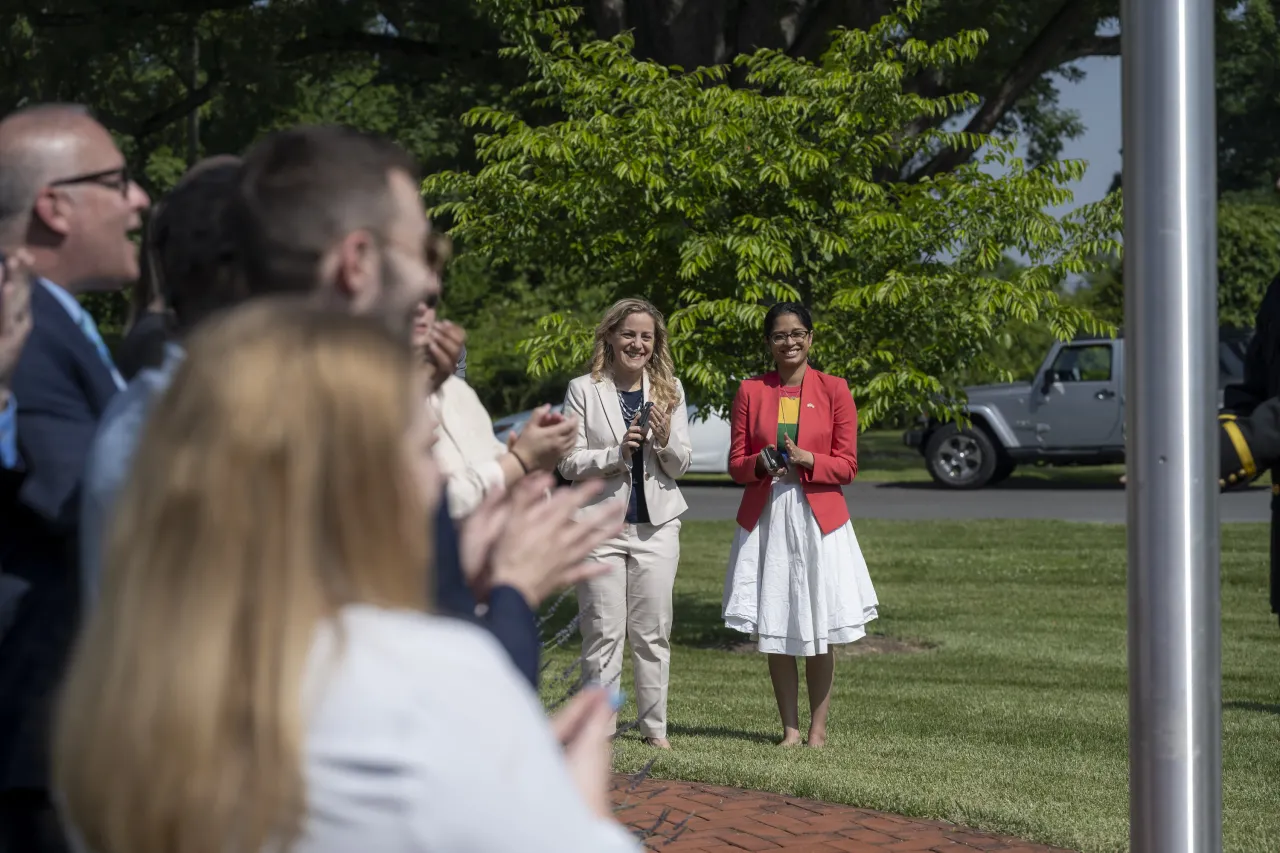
(1014, 717)
(883, 458)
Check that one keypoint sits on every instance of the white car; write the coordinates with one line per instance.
(709, 436)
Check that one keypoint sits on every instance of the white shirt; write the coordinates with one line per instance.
(423, 737)
(466, 449)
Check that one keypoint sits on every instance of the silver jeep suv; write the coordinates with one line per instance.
(1070, 413)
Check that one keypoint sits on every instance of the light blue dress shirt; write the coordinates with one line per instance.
(85, 322)
(111, 458)
(79, 316)
(9, 434)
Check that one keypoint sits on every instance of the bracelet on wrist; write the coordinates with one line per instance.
(523, 465)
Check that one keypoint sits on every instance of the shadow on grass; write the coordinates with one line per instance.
(720, 732)
(698, 624)
(1260, 707)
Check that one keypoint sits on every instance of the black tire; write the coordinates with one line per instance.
(1004, 469)
(961, 458)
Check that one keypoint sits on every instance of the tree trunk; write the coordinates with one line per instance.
(1049, 49)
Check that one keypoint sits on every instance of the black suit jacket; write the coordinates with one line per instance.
(1253, 402)
(62, 388)
(144, 345)
(509, 617)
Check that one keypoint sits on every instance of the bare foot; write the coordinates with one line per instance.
(658, 742)
(817, 740)
(790, 737)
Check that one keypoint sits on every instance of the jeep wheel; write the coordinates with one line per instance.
(961, 458)
(1004, 469)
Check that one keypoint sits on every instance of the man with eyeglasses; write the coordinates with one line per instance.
(67, 199)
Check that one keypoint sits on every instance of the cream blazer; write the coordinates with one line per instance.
(597, 454)
(466, 449)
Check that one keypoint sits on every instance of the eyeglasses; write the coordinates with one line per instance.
(115, 179)
(781, 338)
(437, 250)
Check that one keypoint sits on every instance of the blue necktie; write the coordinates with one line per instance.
(90, 330)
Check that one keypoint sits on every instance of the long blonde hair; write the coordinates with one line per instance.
(270, 489)
(661, 369)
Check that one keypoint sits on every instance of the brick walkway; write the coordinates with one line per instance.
(692, 818)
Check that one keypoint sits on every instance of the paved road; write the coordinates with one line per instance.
(1013, 500)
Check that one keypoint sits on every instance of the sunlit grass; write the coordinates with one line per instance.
(1015, 721)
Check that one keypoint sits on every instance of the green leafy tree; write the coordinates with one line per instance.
(1248, 259)
(1033, 46)
(175, 77)
(714, 201)
(178, 80)
(501, 307)
(1248, 104)
(1019, 347)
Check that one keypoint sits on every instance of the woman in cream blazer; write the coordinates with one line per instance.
(632, 367)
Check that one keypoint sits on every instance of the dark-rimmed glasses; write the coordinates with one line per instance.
(796, 336)
(117, 179)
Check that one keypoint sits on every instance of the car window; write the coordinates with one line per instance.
(1086, 363)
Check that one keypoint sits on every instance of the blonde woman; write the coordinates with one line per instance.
(262, 672)
(631, 368)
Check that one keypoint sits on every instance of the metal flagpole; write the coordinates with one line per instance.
(1170, 270)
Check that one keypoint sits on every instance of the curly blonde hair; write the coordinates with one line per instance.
(663, 389)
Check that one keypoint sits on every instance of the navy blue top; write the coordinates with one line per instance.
(637, 509)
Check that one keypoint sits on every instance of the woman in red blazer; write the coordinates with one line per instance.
(796, 579)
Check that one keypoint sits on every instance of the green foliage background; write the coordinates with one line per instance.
(414, 68)
(715, 200)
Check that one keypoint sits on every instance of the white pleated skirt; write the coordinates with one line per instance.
(794, 589)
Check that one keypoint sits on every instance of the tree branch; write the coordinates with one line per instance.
(354, 40)
(1093, 46)
(815, 30)
(177, 110)
(158, 121)
(1045, 52)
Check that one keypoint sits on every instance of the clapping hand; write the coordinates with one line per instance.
(443, 349)
(803, 458)
(660, 424)
(15, 317)
(537, 544)
(546, 439)
(584, 728)
(634, 437)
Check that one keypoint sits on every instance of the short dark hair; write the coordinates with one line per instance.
(303, 189)
(778, 310)
(187, 252)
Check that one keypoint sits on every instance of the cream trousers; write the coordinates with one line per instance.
(633, 600)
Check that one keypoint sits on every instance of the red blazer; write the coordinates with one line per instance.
(828, 430)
